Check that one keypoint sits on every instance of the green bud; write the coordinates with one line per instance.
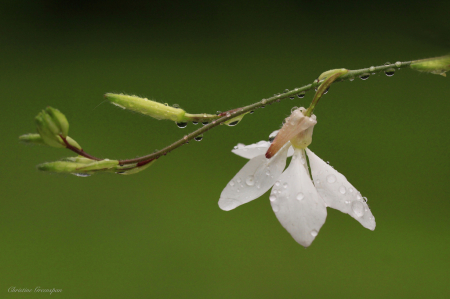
(51, 123)
(78, 165)
(147, 107)
(437, 65)
(32, 139)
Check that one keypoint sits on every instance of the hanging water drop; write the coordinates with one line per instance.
(351, 79)
(331, 178)
(301, 95)
(81, 175)
(251, 112)
(372, 69)
(250, 180)
(176, 106)
(364, 199)
(205, 123)
(314, 233)
(398, 64)
(364, 76)
(232, 124)
(292, 97)
(181, 125)
(326, 90)
(300, 196)
(358, 208)
(293, 109)
(195, 122)
(390, 72)
(198, 138)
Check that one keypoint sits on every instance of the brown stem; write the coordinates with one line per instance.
(78, 151)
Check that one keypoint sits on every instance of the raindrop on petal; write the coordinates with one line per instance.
(250, 180)
(272, 197)
(331, 178)
(275, 209)
(300, 196)
(358, 208)
(342, 189)
(314, 233)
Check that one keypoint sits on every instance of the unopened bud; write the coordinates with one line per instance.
(51, 123)
(78, 165)
(438, 65)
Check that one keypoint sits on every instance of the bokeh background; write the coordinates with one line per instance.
(160, 233)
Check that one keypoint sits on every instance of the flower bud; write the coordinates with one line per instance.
(78, 165)
(51, 123)
(437, 65)
(146, 106)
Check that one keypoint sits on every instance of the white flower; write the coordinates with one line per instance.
(299, 203)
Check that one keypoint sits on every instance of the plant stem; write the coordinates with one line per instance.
(236, 112)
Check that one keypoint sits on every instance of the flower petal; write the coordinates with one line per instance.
(296, 203)
(338, 193)
(253, 180)
(252, 150)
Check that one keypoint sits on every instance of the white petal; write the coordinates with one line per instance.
(252, 150)
(253, 180)
(296, 202)
(338, 193)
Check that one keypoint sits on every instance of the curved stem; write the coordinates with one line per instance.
(236, 112)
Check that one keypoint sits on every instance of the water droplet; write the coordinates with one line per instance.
(268, 172)
(239, 180)
(231, 183)
(285, 185)
(387, 63)
(398, 64)
(351, 79)
(364, 76)
(264, 101)
(176, 106)
(350, 190)
(300, 196)
(205, 123)
(195, 122)
(198, 138)
(358, 208)
(331, 178)
(390, 72)
(165, 104)
(228, 114)
(272, 197)
(342, 189)
(250, 180)
(326, 90)
(301, 95)
(81, 175)
(347, 202)
(185, 137)
(314, 233)
(218, 112)
(237, 190)
(258, 186)
(286, 90)
(292, 97)
(232, 124)
(364, 199)
(182, 125)
(251, 112)
(275, 209)
(358, 196)
(293, 109)
(372, 69)
(277, 183)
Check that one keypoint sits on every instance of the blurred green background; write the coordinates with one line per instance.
(160, 233)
